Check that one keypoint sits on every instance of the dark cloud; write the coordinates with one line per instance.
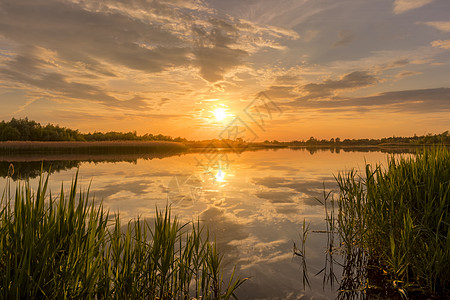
(398, 63)
(287, 80)
(65, 46)
(136, 187)
(213, 52)
(224, 230)
(270, 182)
(93, 40)
(415, 101)
(309, 190)
(295, 183)
(288, 87)
(392, 65)
(292, 209)
(354, 80)
(345, 38)
(281, 92)
(405, 73)
(29, 70)
(277, 196)
(77, 34)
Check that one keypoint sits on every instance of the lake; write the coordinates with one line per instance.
(254, 202)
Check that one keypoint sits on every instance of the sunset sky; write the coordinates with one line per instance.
(347, 68)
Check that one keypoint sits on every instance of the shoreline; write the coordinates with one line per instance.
(100, 149)
(97, 147)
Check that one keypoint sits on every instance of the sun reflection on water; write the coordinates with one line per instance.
(220, 176)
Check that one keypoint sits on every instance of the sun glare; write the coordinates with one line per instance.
(220, 113)
(220, 176)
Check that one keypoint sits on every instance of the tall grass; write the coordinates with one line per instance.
(399, 216)
(65, 247)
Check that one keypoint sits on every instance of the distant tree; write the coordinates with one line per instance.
(10, 133)
(180, 140)
(311, 141)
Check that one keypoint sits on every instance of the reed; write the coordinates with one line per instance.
(399, 216)
(302, 253)
(65, 247)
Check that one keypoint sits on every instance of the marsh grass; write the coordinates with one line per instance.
(64, 247)
(395, 221)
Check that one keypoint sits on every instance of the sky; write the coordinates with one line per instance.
(202, 69)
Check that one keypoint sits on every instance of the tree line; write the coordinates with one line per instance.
(441, 138)
(28, 130)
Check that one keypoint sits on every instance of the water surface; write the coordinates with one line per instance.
(254, 203)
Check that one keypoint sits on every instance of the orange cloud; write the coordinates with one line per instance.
(444, 44)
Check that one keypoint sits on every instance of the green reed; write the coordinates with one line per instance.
(400, 217)
(302, 253)
(64, 247)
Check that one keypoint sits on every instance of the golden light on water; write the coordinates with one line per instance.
(220, 176)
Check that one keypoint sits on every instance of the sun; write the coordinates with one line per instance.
(220, 113)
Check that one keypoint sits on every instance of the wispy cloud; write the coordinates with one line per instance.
(401, 6)
(89, 41)
(329, 87)
(28, 69)
(345, 38)
(443, 26)
(444, 44)
(414, 101)
(405, 73)
(22, 107)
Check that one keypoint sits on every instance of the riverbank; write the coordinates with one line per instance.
(106, 147)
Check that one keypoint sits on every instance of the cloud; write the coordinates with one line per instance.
(104, 39)
(287, 79)
(307, 190)
(354, 80)
(404, 74)
(345, 38)
(222, 45)
(444, 44)
(401, 6)
(224, 225)
(392, 65)
(33, 71)
(136, 187)
(281, 92)
(277, 196)
(413, 101)
(214, 52)
(443, 26)
(24, 106)
(77, 34)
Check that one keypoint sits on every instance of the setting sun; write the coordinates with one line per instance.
(220, 113)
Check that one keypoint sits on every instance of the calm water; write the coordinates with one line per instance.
(255, 205)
